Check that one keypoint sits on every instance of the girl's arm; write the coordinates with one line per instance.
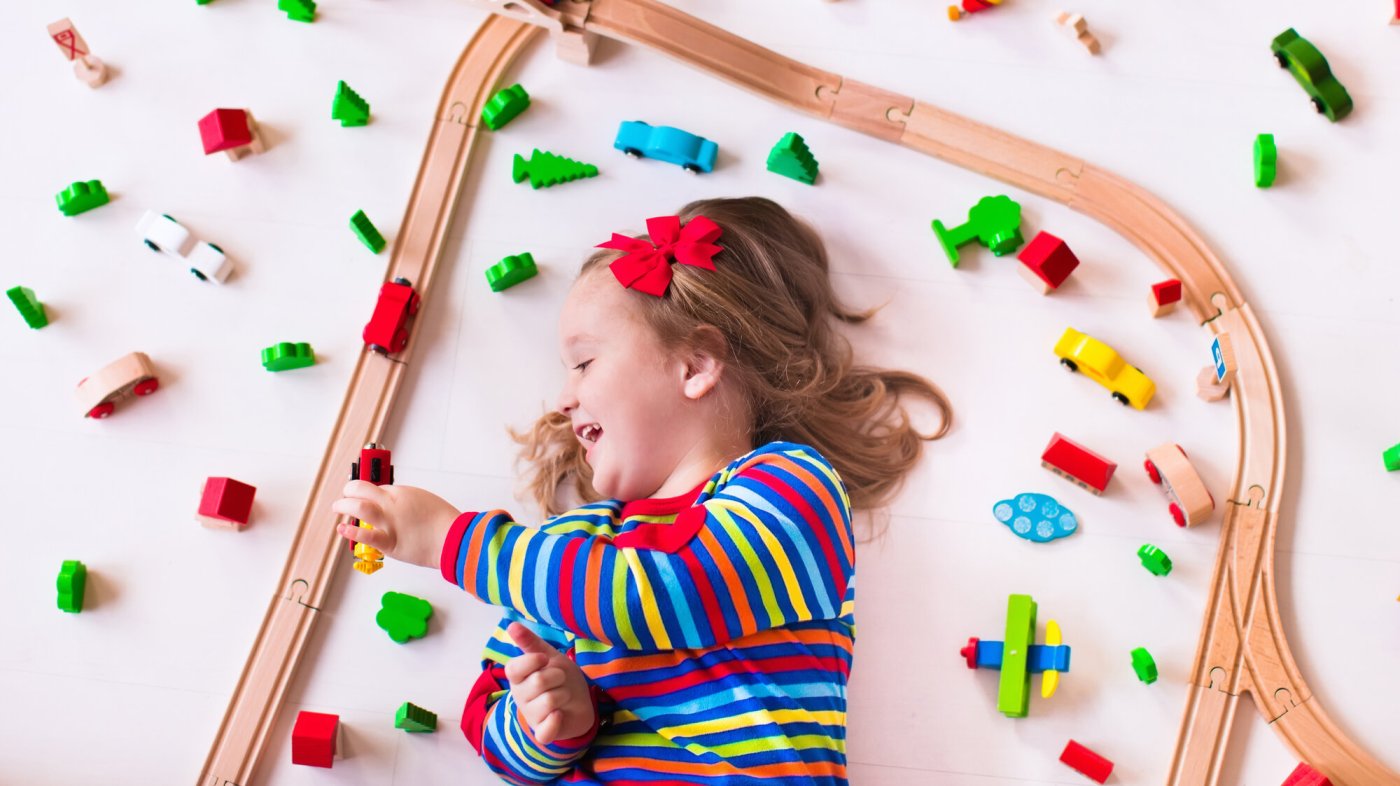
(772, 547)
(498, 731)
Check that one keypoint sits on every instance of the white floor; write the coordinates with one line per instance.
(132, 690)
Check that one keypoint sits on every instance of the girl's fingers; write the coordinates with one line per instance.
(374, 538)
(546, 730)
(362, 489)
(547, 678)
(358, 508)
(519, 668)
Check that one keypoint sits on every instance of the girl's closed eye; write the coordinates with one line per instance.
(583, 365)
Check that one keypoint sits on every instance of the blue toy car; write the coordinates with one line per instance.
(693, 153)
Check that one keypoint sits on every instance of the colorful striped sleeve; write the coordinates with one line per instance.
(771, 547)
(494, 726)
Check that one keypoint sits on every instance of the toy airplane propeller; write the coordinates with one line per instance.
(1018, 658)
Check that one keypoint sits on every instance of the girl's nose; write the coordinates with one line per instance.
(568, 402)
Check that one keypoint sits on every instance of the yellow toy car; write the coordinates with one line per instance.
(1099, 362)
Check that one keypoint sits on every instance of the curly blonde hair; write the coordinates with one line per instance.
(770, 296)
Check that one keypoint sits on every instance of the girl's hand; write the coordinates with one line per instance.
(549, 689)
(409, 524)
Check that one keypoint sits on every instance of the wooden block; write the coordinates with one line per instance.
(1208, 388)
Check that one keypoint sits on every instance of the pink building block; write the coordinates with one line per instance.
(1303, 775)
(225, 503)
(231, 131)
(1046, 262)
(1165, 295)
(314, 739)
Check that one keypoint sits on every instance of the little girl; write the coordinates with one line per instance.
(693, 621)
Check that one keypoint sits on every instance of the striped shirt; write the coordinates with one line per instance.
(715, 628)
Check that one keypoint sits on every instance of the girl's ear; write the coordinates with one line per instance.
(704, 363)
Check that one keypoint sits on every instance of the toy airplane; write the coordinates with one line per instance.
(1018, 657)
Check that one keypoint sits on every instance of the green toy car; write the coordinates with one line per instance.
(1310, 68)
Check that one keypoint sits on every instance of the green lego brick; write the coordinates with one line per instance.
(1144, 665)
(546, 169)
(29, 306)
(1265, 160)
(81, 197)
(72, 582)
(287, 355)
(1392, 458)
(365, 231)
(504, 107)
(792, 158)
(348, 107)
(298, 10)
(1155, 560)
(1014, 690)
(411, 717)
(511, 271)
(403, 617)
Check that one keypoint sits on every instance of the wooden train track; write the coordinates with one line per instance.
(317, 549)
(1242, 649)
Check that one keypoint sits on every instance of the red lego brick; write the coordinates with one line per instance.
(1073, 461)
(1303, 775)
(1047, 262)
(1089, 764)
(225, 129)
(1166, 292)
(226, 503)
(313, 739)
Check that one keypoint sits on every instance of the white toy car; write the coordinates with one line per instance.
(163, 233)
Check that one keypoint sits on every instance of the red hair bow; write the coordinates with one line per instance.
(646, 267)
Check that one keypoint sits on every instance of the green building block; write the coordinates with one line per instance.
(403, 617)
(298, 10)
(546, 169)
(287, 355)
(1392, 458)
(72, 581)
(1014, 691)
(348, 107)
(365, 231)
(29, 306)
(994, 221)
(1155, 560)
(1265, 160)
(411, 717)
(1144, 665)
(81, 197)
(511, 271)
(792, 158)
(504, 107)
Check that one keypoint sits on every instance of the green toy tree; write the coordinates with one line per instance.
(546, 169)
(792, 158)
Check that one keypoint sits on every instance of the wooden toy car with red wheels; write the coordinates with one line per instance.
(127, 375)
(387, 331)
(1168, 466)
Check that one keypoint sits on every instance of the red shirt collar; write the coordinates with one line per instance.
(662, 506)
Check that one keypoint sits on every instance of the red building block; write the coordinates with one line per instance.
(232, 131)
(314, 738)
(1303, 775)
(1046, 262)
(225, 503)
(1089, 764)
(1165, 296)
(1073, 461)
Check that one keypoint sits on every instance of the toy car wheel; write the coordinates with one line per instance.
(152, 246)
(198, 274)
(102, 410)
(377, 348)
(633, 152)
(1317, 104)
(1282, 61)
(969, 652)
(1177, 515)
(146, 387)
(400, 340)
(1152, 473)
(1069, 364)
(691, 168)
(413, 304)
(402, 281)
(216, 248)
(1121, 399)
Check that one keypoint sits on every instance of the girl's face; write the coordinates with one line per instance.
(625, 394)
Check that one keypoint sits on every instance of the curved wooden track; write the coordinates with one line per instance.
(1242, 648)
(317, 549)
